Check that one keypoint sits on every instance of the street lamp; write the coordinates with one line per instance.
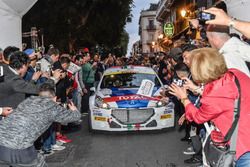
(160, 36)
(183, 13)
(153, 43)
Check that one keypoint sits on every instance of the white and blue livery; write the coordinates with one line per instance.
(117, 106)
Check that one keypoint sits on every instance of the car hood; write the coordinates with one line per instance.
(128, 98)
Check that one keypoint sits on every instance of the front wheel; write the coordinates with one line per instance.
(90, 123)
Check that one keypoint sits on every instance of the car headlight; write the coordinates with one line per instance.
(100, 103)
(160, 104)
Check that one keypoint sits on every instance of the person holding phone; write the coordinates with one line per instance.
(33, 117)
(235, 51)
(14, 88)
(223, 19)
(34, 72)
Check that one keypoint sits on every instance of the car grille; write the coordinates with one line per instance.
(132, 116)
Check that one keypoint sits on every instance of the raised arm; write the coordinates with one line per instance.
(223, 19)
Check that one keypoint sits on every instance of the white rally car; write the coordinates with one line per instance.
(117, 106)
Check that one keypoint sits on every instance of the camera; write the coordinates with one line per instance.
(1, 74)
(203, 16)
(179, 82)
(38, 66)
(49, 69)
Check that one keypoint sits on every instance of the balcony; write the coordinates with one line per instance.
(163, 10)
(151, 28)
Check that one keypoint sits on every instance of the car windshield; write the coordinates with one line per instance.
(128, 80)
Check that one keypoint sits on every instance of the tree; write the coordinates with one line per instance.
(73, 24)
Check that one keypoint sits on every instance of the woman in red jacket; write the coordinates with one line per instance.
(208, 67)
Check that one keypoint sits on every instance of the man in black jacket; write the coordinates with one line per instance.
(65, 82)
(14, 87)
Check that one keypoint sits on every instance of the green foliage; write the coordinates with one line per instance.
(79, 23)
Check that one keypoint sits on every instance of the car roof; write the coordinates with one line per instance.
(129, 69)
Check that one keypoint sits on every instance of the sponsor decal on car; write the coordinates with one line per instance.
(97, 113)
(168, 110)
(104, 119)
(166, 116)
(129, 97)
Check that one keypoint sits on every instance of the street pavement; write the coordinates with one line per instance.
(159, 149)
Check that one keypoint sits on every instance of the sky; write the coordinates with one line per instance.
(132, 28)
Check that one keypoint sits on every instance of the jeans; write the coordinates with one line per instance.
(244, 160)
(21, 157)
(49, 138)
(85, 99)
(77, 98)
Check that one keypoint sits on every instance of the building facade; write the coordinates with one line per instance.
(136, 48)
(178, 13)
(149, 30)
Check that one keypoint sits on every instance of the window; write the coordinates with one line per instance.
(151, 23)
(128, 80)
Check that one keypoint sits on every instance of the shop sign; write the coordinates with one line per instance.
(168, 29)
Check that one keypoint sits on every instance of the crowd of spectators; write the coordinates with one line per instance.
(41, 93)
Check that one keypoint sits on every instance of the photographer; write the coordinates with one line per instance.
(65, 82)
(32, 117)
(48, 60)
(221, 18)
(7, 53)
(33, 72)
(192, 129)
(14, 88)
(209, 67)
(235, 51)
(187, 48)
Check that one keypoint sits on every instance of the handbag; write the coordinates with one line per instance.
(217, 150)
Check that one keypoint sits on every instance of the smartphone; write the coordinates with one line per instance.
(1, 74)
(206, 16)
(49, 69)
(38, 66)
(1, 71)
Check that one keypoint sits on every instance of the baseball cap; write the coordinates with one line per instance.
(86, 50)
(29, 51)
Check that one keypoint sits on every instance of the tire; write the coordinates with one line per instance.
(90, 123)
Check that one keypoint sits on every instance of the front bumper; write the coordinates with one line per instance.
(132, 119)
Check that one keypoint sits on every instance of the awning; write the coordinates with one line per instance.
(11, 13)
